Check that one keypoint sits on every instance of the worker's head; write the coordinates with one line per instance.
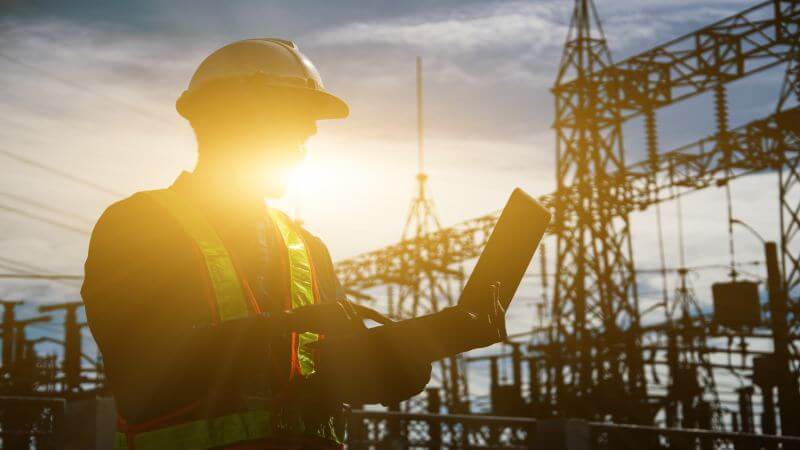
(253, 104)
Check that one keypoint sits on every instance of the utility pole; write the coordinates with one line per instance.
(22, 380)
(788, 397)
(72, 343)
(20, 341)
(787, 385)
(8, 333)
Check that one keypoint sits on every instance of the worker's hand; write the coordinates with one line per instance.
(324, 318)
(359, 369)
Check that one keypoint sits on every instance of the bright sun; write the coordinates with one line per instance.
(306, 177)
(306, 180)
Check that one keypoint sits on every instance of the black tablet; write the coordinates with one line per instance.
(508, 252)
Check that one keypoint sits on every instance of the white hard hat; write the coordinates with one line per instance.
(275, 62)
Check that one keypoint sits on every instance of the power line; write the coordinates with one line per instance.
(657, 271)
(17, 265)
(48, 74)
(39, 276)
(43, 219)
(62, 174)
(11, 268)
(44, 206)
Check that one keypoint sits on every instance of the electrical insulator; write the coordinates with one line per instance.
(721, 108)
(651, 136)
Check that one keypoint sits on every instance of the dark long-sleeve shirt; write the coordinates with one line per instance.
(148, 312)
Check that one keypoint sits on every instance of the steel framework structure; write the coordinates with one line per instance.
(757, 146)
(423, 290)
(595, 285)
(770, 37)
(594, 352)
(373, 430)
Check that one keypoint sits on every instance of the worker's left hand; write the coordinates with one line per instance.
(353, 369)
(324, 318)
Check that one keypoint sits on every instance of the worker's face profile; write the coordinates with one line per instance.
(264, 139)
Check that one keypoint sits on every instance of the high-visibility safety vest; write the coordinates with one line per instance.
(230, 298)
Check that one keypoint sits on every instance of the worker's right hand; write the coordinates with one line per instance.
(329, 318)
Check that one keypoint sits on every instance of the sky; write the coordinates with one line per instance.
(88, 87)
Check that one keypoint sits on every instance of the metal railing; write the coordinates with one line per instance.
(38, 423)
(606, 436)
(31, 423)
(396, 430)
(377, 430)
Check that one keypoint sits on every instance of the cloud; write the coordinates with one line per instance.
(488, 66)
(497, 27)
(473, 28)
(93, 101)
(471, 45)
(488, 110)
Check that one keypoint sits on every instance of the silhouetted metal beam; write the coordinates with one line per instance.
(745, 43)
(758, 146)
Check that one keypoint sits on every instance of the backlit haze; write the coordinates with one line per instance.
(89, 88)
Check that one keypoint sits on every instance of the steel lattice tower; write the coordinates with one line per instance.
(427, 287)
(787, 320)
(790, 171)
(595, 291)
(593, 356)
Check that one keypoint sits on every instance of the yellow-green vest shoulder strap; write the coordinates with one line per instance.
(226, 286)
(301, 282)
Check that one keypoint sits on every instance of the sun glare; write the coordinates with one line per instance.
(307, 179)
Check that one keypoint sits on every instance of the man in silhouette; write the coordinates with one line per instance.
(221, 321)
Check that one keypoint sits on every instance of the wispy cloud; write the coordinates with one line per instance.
(96, 102)
(488, 113)
(487, 66)
(473, 28)
(512, 39)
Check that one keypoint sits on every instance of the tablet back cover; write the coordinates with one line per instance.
(508, 252)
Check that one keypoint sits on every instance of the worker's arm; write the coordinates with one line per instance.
(396, 353)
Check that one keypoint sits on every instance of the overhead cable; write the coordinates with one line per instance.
(61, 173)
(43, 219)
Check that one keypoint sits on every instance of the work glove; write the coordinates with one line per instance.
(330, 318)
(391, 363)
(358, 370)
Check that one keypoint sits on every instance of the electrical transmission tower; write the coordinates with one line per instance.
(691, 376)
(592, 358)
(427, 286)
(790, 169)
(786, 320)
(593, 355)
(595, 289)
(420, 221)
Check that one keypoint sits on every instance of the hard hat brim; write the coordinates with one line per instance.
(252, 64)
(322, 103)
(326, 105)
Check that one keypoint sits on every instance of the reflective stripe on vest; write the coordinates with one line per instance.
(231, 302)
(225, 283)
(202, 434)
(301, 285)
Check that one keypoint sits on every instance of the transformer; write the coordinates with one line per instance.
(736, 304)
